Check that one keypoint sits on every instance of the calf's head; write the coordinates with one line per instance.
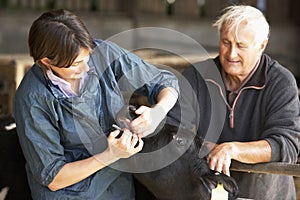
(186, 177)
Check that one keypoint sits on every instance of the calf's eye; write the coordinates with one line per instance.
(180, 141)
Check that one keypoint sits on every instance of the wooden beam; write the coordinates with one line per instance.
(279, 168)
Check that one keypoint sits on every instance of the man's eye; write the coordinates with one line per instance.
(242, 46)
(225, 42)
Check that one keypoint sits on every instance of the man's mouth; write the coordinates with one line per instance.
(233, 61)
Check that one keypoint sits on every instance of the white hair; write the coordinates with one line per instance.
(233, 15)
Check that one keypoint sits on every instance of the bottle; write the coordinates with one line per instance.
(219, 193)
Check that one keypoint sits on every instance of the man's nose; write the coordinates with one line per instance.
(232, 52)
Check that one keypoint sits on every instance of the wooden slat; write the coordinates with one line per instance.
(279, 168)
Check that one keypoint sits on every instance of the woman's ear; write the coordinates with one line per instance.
(46, 61)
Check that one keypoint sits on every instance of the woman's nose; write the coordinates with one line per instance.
(84, 66)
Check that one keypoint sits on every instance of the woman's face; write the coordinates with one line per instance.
(76, 70)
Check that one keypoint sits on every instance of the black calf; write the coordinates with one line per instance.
(189, 176)
(12, 163)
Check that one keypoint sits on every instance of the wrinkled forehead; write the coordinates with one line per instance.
(239, 30)
(83, 55)
(234, 26)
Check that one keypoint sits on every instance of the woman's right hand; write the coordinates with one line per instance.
(125, 146)
(122, 147)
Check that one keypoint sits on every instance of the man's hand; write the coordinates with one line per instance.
(219, 159)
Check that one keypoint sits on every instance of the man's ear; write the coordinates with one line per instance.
(46, 61)
(263, 45)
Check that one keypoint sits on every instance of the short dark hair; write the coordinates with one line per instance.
(58, 35)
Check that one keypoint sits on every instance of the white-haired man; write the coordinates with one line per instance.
(262, 121)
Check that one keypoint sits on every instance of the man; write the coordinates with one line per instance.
(262, 106)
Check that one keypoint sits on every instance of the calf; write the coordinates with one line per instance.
(12, 163)
(187, 177)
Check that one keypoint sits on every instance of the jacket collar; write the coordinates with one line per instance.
(258, 80)
(37, 71)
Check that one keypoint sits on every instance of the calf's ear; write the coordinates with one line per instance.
(211, 180)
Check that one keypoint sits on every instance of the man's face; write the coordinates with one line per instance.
(238, 51)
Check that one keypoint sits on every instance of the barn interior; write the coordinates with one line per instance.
(167, 33)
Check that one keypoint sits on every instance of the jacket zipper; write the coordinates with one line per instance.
(231, 108)
(231, 118)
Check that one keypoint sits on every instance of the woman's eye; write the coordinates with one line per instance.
(75, 64)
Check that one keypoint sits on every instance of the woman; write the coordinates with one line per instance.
(67, 102)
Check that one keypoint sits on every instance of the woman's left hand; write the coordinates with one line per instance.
(148, 120)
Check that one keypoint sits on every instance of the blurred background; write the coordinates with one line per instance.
(106, 18)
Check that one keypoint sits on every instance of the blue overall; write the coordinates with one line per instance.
(54, 129)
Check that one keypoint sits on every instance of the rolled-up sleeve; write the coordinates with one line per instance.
(148, 76)
(131, 72)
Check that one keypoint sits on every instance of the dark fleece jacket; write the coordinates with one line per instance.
(266, 108)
